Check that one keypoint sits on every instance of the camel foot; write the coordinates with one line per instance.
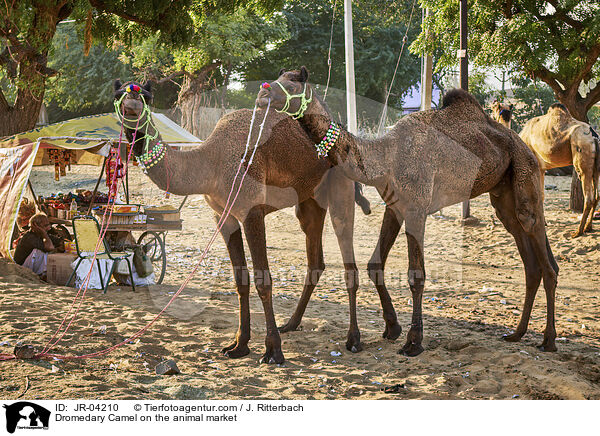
(353, 343)
(576, 234)
(290, 326)
(392, 332)
(411, 349)
(273, 357)
(548, 345)
(515, 337)
(235, 351)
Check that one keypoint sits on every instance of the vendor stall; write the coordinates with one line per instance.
(88, 140)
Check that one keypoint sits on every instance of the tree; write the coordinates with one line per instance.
(555, 41)
(379, 27)
(27, 28)
(83, 84)
(218, 45)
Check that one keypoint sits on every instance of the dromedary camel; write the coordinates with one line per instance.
(430, 160)
(558, 140)
(502, 112)
(285, 172)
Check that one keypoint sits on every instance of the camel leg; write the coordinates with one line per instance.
(530, 217)
(415, 231)
(390, 227)
(589, 200)
(232, 235)
(504, 206)
(584, 165)
(341, 211)
(312, 219)
(254, 228)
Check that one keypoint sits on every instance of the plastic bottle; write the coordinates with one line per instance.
(73, 210)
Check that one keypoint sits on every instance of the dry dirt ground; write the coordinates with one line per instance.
(474, 294)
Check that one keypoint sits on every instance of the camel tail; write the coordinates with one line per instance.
(360, 199)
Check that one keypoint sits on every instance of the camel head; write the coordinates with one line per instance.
(290, 93)
(131, 98)
(502, 112)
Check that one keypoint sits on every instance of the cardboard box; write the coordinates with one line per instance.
(58, 268)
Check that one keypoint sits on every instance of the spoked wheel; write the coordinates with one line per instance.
(153, 245)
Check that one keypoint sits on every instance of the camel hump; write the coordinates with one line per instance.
(456, 96)
(558, 106)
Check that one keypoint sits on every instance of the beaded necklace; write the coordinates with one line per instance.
(333, 132)
(151, 157)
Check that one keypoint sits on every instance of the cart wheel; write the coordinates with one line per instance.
(154, 246)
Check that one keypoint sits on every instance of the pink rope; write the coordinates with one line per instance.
(226, 212)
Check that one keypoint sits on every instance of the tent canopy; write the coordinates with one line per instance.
(90, 138)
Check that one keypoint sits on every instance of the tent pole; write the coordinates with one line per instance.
(183, 202)
(96, 188)
(35, 199)
(126, 187)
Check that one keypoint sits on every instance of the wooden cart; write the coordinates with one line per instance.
(152, 238)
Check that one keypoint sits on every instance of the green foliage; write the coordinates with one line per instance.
(532, 99)
(556, 41)
(83, 82)
(379, 27)
(227, 39)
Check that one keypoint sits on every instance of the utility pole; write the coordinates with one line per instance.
(350, 89)
(464, 75)
(426, 74)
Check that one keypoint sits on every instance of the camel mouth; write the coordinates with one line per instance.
(132, 108)
(262, 101)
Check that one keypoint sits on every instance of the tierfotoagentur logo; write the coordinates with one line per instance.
(25, 415)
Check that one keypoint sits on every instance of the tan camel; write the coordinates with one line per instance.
(285, 172)
(502, 112)
(430, 160)
(558, 140)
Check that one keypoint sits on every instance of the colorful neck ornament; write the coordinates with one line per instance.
(151, 157)
(326, 144)
(303, 101)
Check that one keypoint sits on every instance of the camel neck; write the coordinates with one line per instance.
(347, 151)
(180, 172)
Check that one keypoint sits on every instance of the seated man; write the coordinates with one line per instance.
(35, 244)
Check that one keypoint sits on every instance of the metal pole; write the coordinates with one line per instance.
(350, 89)
(96, 187)
(464, 75)
(426, 75)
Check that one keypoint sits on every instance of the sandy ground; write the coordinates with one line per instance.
(474, 294)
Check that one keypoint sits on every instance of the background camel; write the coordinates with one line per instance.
(429, 160)
(502, 112)
(558, 140)
(285, 172)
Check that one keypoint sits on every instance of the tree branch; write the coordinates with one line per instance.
(592, 56)
(3, 103)
(592, 98)
(546, 76)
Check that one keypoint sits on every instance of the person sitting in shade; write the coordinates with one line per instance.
(35, 244)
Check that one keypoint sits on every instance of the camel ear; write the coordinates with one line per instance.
(511, 106)
(148, 86)
(117, 85)
(281, 72)
(303, 74)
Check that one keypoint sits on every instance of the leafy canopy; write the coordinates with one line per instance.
(557, 41)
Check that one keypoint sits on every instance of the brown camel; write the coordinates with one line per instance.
(430, 160)
(502, 112)
(285, 172)
(557, 140)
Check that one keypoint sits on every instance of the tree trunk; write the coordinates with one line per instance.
(576, 201)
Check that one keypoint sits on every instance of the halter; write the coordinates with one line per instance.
(303, 103)
(150, 157)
